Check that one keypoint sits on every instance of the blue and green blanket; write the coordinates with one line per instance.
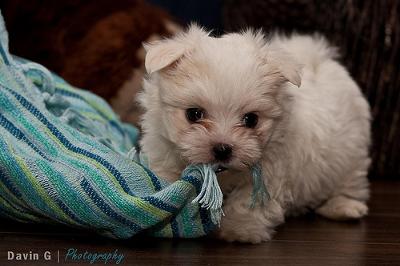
(64, 158)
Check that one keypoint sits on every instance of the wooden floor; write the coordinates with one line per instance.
(308, 240)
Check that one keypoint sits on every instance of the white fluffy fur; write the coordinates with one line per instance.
(312, 141)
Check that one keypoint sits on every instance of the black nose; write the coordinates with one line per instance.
(222, 152)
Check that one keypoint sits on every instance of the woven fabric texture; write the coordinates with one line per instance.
(64, 158)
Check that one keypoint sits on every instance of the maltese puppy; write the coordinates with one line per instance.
(241, 100)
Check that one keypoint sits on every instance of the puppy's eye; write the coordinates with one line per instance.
(194, 114)
(250, 120)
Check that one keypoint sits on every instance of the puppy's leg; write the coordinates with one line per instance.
(343, 208)
(251, 225)
(350, 200)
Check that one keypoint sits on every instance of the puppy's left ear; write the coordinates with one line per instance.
(286, 64)
(161, 54)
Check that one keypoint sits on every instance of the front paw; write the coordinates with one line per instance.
(244, 233)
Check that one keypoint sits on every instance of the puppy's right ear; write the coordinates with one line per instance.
(161, 54)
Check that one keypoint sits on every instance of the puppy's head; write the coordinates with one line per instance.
(217, 99)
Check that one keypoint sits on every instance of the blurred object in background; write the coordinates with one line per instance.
(368, 36)
(207, 13)
(95, 45)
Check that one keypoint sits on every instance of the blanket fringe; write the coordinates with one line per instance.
(210, 196)
(260, 193)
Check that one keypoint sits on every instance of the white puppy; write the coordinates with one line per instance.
(239, 100)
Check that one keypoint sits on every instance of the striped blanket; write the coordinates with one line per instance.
(64, 158)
